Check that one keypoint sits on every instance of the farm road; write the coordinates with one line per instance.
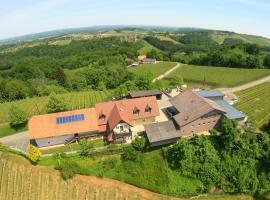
(167, 72)
(245, 86)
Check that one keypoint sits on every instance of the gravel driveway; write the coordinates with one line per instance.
(19, 141)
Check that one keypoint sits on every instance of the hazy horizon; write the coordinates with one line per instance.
(18, 18)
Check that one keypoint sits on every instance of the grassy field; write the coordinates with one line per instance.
(156, 69)
(216, 77)
(255, 102)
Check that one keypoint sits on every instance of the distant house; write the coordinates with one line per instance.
(134, 65)
(141, 57)
(145, 93)
(112, 120)
(149, 61)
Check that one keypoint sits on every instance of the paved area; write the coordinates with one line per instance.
(18, 141)
(167, 72)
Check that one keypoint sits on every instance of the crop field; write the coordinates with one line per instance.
(37, 105)
(156, 69)
(255, 102)
(19, 180)
(216, 77)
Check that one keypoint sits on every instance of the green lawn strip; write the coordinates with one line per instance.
(215, 77)
(72, 147)
(6, 130)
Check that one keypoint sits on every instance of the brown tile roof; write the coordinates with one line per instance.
(191, 106)
(116, 116)
(127, 107)
(44, 126)
(144, 93)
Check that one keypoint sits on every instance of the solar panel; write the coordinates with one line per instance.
(70, 119)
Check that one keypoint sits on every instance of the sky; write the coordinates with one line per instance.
(20, 17)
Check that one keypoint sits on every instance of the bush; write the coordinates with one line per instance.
(85, 147)
(68, 169)
(139, 143)
(56, 104)
(18, 118)
(129, 154)
(34, 153)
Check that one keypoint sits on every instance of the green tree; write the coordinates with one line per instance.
(266, 61)
(16, 89)
(60, 76)
(86, 147)
(177, 80)
(56, 104)
(33, 153)
(139, 143)
(17, 117)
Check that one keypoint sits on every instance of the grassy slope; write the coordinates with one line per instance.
(216, 76)
(21, 180)
(255, 102)
(147, 48)
(155, 69)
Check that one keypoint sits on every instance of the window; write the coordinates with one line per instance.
(102, 116)
(136, 111)
(148, 109)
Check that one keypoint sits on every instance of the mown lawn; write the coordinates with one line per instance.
(155, 69)
(255, 102)
(215, 77)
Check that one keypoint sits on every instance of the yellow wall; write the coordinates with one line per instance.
(143, 121)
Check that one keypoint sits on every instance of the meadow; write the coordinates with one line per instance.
(255, 102)
(215, 77)
(155, 69)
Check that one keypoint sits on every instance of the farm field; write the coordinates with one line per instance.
(156, 69)
(215, 77)
(147, 48)
(21, 180)
(255, 102)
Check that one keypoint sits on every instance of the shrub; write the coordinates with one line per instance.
(85, 147)
(129, 154)
(68, 169)
(18, 118)
(34, 153)
(139, 143)
(56, 104)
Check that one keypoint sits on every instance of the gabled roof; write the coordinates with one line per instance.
(127, 106)
(231, 112)
(144, 93)
(116, 116)
(192, 106)
(210, 93)
(44, 126)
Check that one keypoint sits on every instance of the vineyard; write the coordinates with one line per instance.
(255, 102)
(215, 76)
(19, 180)
(75, 100)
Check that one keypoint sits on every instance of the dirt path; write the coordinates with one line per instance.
(245, 86)
(167, 72)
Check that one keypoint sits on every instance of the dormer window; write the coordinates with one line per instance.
(102, 116)
(136, 111)
(148, 109)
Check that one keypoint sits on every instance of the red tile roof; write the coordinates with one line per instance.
(44, 126)
(127, 106)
